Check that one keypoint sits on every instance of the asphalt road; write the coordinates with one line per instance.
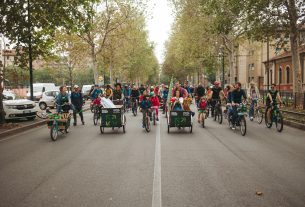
(214, 166)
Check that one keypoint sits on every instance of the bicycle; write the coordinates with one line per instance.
(202, 117)
(96, 114)
(218, 112)
(59, 122)
(258, 112)
(126, 104)
(134, 104)
(239, 112)
(146, 121)
(276, 117)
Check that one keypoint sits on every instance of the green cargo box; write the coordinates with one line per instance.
(180, 119)
(112, 117)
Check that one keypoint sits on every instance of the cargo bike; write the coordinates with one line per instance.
(180, 119)
(113, 118)
(59, 122)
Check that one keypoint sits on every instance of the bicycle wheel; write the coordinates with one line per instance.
(147, 124)
(95, 117)
(243, 126)
(102, 129)
(259, 115)
(135, 110)
(202, 120)
(54, 132)
(215, 114)
(268, 122)
(219, 116)
(279, 122)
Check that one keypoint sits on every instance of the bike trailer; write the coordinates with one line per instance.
(180, 119)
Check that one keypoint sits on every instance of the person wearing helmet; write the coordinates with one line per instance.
(155, 104)
(77, 103)
(238, 95)
(216, 94)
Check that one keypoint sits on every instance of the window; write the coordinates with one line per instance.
(287, 74)
(280, 75)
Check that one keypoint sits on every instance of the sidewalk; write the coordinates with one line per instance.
(12, 128)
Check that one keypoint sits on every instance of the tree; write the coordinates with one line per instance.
(30, 25)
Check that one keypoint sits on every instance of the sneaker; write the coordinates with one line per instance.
(74, 124)
(251, 118)
(157, 119)
(83, 123)
(233, 127)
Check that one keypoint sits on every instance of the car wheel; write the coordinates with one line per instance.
(43, 106)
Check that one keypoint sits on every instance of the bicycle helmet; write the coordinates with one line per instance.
(216, 83)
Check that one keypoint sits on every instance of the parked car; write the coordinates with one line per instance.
(9, 95)
(39, 88)
(85, 90)
(48, 99)
(20, 109)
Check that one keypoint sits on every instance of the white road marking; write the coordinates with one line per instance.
(157, 196)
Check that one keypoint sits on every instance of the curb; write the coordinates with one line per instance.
(294, 124)
(21, 129)
(25, 128)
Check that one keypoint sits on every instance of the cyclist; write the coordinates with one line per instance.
(142, 89)
(117, 93)
(253, 96)
(108, 92)
(154, 100)
(164, 97)
(135, 94)
(62, 99)
(77, 103)
(202, 105)
(96, 92)
(127, 94)
(273, 97)
(216, 93)
(200, 92)
(238, 95)
(145, 106)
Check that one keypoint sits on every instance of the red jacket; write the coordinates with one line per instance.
(154, 101)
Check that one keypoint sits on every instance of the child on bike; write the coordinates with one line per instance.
(145, 106)
(202, 105)
(155, 104)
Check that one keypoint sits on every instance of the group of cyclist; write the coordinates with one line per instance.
(150, 98)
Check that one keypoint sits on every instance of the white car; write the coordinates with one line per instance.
(48, 99)
(20, 109)
(9, 95)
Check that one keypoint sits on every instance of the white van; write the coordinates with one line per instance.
(85, 90)
(39, 88)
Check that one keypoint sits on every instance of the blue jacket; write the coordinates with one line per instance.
(127, 92)
(145, 104)
(61, 100)
(77, 99)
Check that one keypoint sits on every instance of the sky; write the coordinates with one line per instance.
(159, 25)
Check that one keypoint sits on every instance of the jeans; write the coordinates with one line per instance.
(251, 110)
(233, 114)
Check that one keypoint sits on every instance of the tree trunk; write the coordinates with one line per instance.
(94, 66)
(110, 71)
(294, 43)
